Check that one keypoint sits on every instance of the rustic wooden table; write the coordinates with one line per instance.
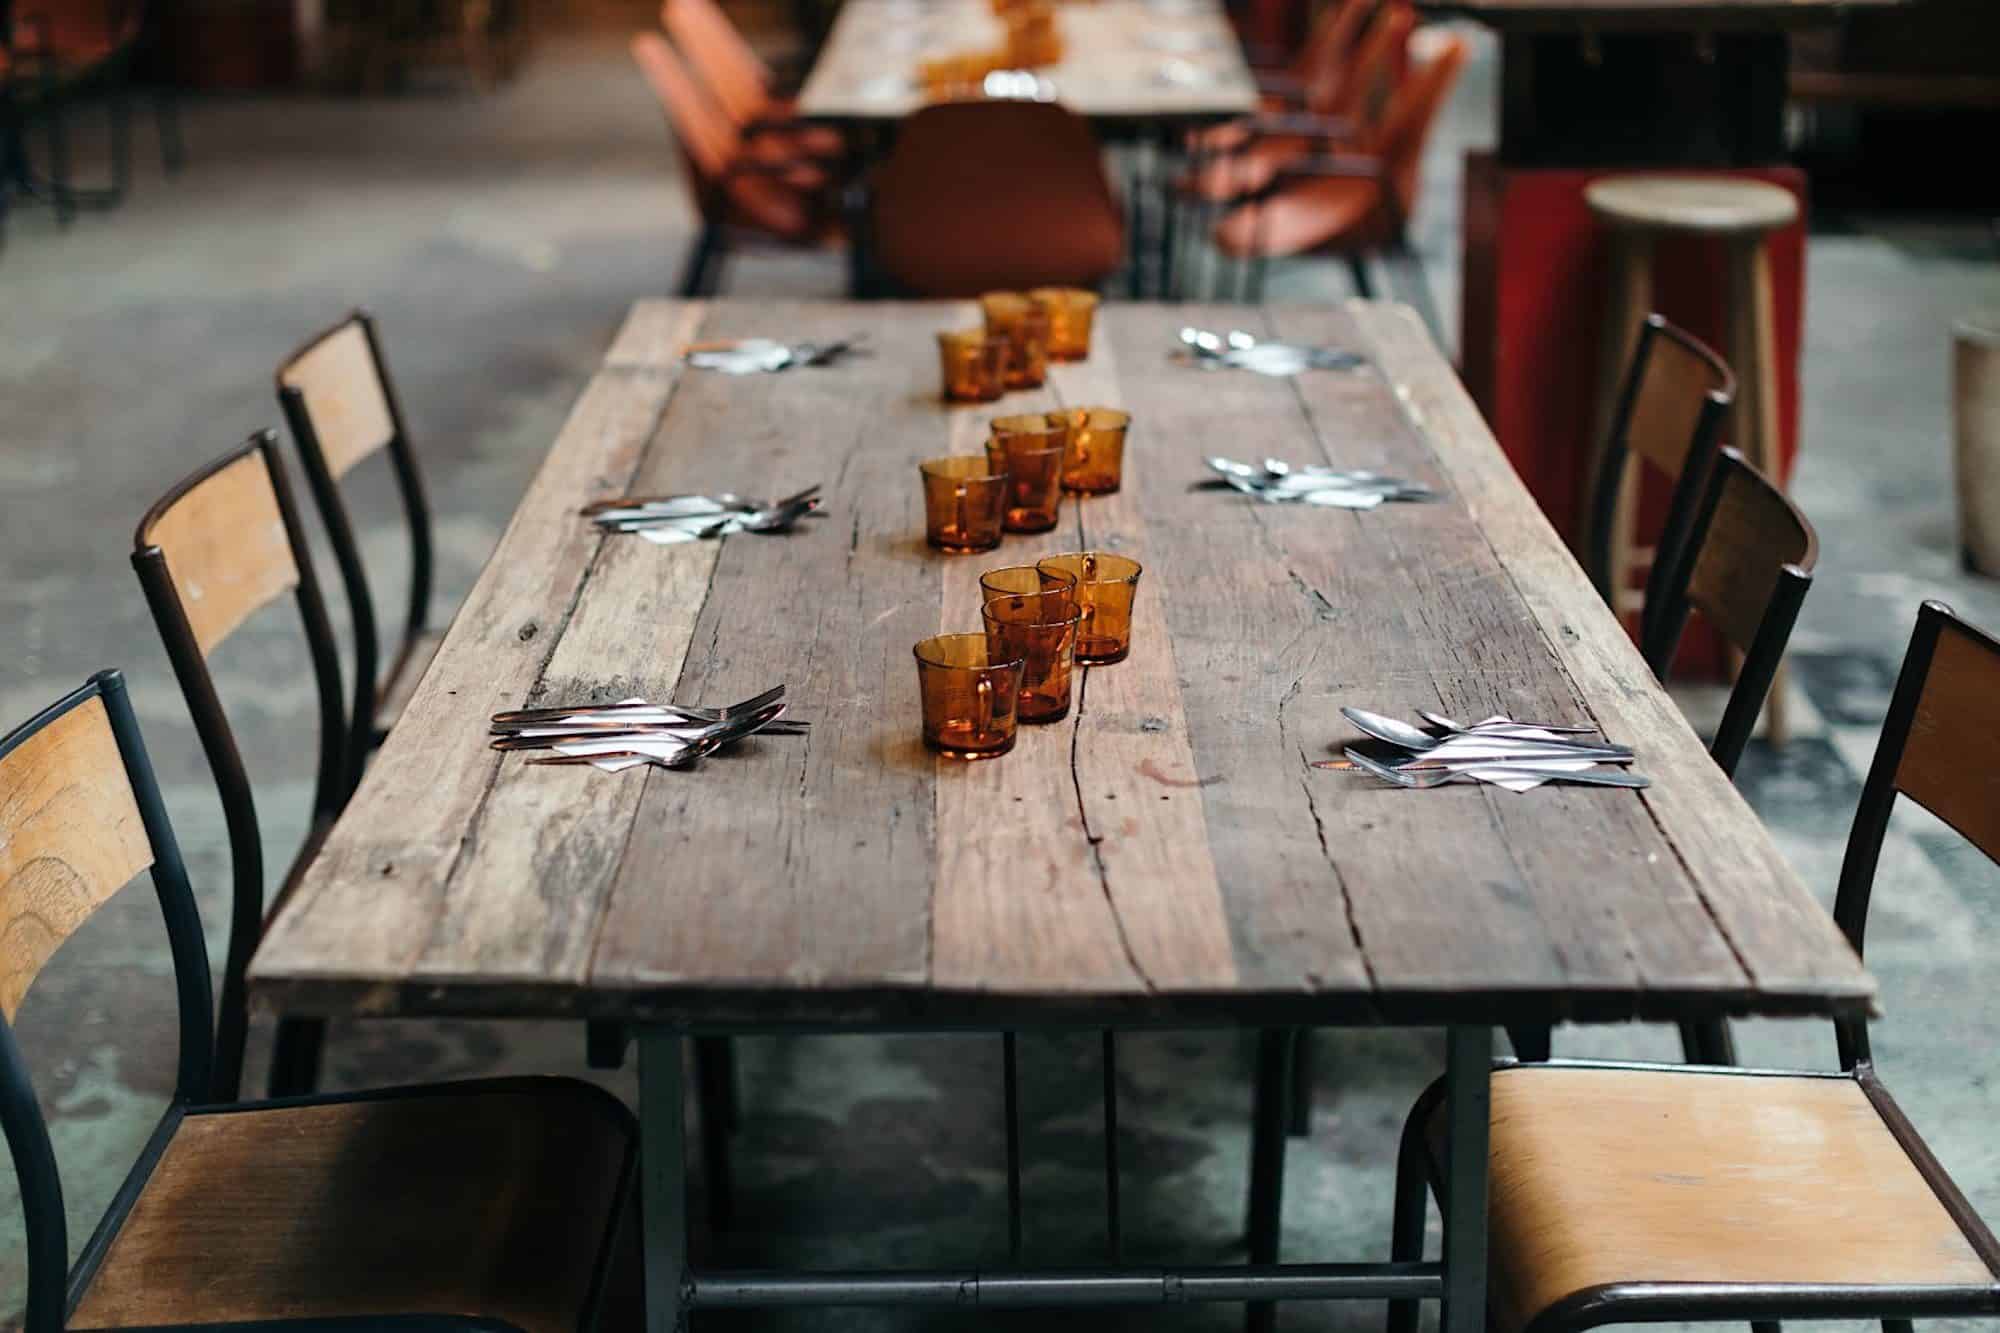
(1163, 856)
(1123, 60)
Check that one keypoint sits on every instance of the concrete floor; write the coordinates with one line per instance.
(499, 240)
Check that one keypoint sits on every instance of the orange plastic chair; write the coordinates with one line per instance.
(741, 81)
(739, 194)
(999, 194)
(1355, 204)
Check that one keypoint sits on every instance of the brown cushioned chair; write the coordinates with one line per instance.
(995, 194)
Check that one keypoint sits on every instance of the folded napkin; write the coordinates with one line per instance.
(1463, 747)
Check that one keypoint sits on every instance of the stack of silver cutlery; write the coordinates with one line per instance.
(1518, 756)
(1238, 350)
(1277, 482)
(631, 732)
(667, 519)
(763, 356)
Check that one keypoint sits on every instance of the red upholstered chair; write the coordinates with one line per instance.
(997, 194)
(742, 83)
(740, 194)
(1355, 204)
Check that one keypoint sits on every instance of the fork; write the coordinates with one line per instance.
(1589, 777)
(528, 716)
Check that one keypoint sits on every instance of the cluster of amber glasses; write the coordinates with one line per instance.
(1040, 620)
(1029, 38)
(1022, 332)
(1031, 459)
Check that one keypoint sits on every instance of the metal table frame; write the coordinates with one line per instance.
(673, 1288)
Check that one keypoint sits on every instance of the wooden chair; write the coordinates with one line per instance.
(1746, 566)
(1310, 82)
(1352, 204)
(949, 221)
(1667, 417)
(742, 84)
(1636, 1193)
(472, 1206)
(740, 195)
(342, 409)
(220, 545)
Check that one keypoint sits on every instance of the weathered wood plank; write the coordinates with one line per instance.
(1785, 942)
(367, 908)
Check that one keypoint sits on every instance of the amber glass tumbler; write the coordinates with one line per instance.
(1033, 449)
(1022, 580)
(1105, 586)
(1025, 326)
(970, 696)
(1040, 629)
(963, 499)
(1071, 311)
(1096, 462)
(974, 363)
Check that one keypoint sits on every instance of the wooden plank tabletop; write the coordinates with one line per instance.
(1122, 59)
(1166, 854)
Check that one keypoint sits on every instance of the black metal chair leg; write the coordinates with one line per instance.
(167, 119)
(712, 1078)
(1301, 1118)
(695, 271)
(295, 1056)
(1357, 269)
(1270, 1100)
(719, 1065)
(1406, 1230)
(1112, 1221)
(1531, 1041)
(1708, 1042)
(1011, 1109)
(59, 186)
(604, 1043)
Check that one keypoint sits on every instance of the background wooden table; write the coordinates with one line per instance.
(1124, 60)
(1164, 855)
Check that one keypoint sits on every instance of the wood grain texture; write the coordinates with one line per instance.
(1948, 764)
(70, 837)
(1610, 1176)
(475, 1201)
(343, 395)
(226, 548)
(1109, 68)
(1784, 942)
(850, 876)
(1752, 535)
(378, 888)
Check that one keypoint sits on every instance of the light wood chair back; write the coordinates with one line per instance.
(1747, 567)
(219, 545)
(707, 139)
(341, 407)
(740, 80)
(1374, 69)
(1940, 747)
(1326, 60)
(1675, 396)
(80, 818)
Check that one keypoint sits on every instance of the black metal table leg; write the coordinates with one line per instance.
(663, 1179)
(1271, 1101)
(1468, 1067)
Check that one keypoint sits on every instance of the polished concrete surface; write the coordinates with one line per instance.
(499, 239)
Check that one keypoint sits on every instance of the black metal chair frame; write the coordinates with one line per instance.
(55, 1287)
(297, 1052)
(1894, 1304)
(369, 680)
(1609, 478)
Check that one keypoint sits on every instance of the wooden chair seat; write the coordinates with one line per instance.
(1609, 1177)
(403, 677)
(476, 1200)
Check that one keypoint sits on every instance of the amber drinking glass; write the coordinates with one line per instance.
(1039, 628)
(974, 363)
(1104, 586)
(970, 696)
(1032, 450)
(1096, 462)
(963, 498)
(1071, 311)
(1024, 580)
(1025, 326)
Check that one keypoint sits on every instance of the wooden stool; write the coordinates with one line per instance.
(1636, 210)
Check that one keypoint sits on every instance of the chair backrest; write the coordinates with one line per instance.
(341, 407)
(1374, 68)
(740, 80)
(1413, 109)
(1940, 747)
(1747, 567)
(80, 817)
(982, 195)
(1669, 413)
(1323, 62)
(708, 142)
(221, 544)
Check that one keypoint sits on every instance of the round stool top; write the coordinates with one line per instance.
(1716, 204)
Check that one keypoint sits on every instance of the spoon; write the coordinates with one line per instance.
(1404, 736)
(1439, 777)
(1440, 720)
